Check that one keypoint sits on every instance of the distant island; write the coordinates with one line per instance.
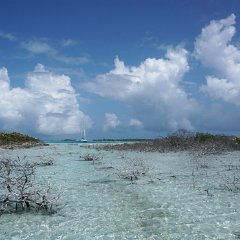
(70, 140)
(10, 140)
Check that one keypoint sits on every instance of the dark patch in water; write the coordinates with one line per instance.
(237, 234)
(105, 181)
(104, 168)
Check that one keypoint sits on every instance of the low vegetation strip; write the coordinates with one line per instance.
(199, 141)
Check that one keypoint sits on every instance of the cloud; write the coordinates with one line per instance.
(220, 117)
(152, 89)
(111, 121)
(4, 80)
(72, 60)
(68, 43)
(48, 104)
(8, 36)
(135, 123)
(224, 89)
(214, 49)
(37, 47)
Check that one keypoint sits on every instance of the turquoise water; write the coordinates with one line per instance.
(169, 202)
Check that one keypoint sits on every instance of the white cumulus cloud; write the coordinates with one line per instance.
(153, 90)
(48, 104)
(214, 49)
(111, 121)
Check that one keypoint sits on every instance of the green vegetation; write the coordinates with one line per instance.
(237, 140)
(15, 138)
(202, 137)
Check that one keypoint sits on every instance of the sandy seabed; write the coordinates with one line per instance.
(176, 199)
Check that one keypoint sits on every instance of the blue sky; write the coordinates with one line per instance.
(136, 68)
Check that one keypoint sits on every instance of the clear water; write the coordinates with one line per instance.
(169, 202)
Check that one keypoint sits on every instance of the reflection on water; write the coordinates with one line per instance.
(172, 201)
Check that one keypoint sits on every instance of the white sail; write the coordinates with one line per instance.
(84, 139)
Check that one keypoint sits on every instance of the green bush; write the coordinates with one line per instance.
(202, 137)
(237, 140)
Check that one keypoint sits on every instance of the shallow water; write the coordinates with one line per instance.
(175, 199)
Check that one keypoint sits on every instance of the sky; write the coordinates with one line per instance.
(119, 68)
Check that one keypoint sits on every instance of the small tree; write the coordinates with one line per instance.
(90, 157)
(132, 169)
(45, 161)
(18, 189)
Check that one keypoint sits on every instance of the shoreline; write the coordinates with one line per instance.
(22, 145)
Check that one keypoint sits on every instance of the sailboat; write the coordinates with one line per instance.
(84, 139)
